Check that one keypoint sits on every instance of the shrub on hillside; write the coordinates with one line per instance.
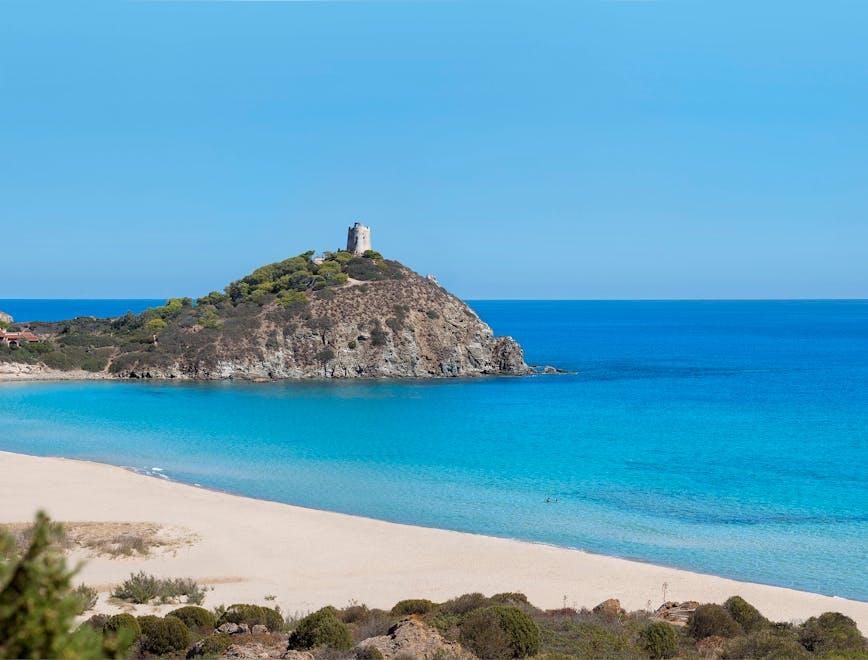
(745, 614)
(659, 640)
(413, 606)
(520, 638)
(162, 635)
(195, 618)
(711, 619)
(510, 598)
(211, 645)
(767, 643)
(831, 632)
(465, 603)
(117, 622)
(322, 628)
(142, 588)
(252, 615)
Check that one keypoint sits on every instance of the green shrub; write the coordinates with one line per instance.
(412, 606)
(520, 633)
(711, 619)
(195, 618)
(211, 645)
(465, 603)
(141, 588)
(369, 653)
(767, 643)
(378, 335)
(138, 588)
(322, 628)
(117, 622)
(745, 614)
(87, 597)
(659, 640)
(57, 360)
(831, 632)
(510, 598)
(163, 635)
(252, 615)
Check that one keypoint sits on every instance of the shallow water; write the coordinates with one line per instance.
(723, 437)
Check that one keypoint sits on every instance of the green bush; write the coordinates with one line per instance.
(322, 628)
(831, 632)
(745, 614)
(465, 603)
(87, 597)
(659, 640)
(510, 598)
(252, 615)
(412, 606)
(520, 639)
(195, 618)
(767, 643)
(141, 588)
(163, 635)
(117, 622)
(369, 653)
(711, 619)
(211, 645)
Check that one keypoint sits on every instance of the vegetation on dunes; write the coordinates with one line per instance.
(40, 612)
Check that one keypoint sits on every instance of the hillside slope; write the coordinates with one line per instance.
(345, 317)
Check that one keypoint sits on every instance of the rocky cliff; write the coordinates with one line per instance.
(392, 324)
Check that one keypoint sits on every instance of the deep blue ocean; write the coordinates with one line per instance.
(722, 437)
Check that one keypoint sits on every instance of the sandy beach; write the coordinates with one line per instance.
(264, 552)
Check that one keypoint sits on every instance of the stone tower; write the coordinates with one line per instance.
(359, 239)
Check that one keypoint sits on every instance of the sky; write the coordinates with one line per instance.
(538, 149)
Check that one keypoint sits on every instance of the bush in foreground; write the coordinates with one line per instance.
(123, 621)
(322, 628)
(831, 632)
(252, 615)
(500, 631)
(711, 619)
(659, 640)
(163, 635)
(211, 645)
(768, 643)
(195, 618)
(745, 614)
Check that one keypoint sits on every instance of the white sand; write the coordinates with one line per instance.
(249, 549)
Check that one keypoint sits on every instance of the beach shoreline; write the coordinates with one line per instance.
(250, 550)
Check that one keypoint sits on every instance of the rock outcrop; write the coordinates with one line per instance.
(414, 639)
(5, 318)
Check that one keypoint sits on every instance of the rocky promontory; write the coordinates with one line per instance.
(340, 316)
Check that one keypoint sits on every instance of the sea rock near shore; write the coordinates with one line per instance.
(5, 318)
(412, 638)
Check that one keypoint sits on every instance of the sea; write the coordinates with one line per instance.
(725, 437)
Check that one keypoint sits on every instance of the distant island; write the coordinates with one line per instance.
(345, 314)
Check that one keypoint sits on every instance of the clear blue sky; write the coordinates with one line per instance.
(672, 149)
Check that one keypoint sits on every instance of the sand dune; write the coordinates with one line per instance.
(264, 552)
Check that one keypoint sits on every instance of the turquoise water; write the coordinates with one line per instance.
(723, 437)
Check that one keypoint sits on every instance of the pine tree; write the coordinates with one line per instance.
(37, 606)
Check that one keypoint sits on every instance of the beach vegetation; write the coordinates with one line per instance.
(195, 618)
(162, 635)
(831, 632)
(500, 631)
(123, 621)
(211, 645)
(87, 597)
(142, 588)
(766, 643)
(369, 653)
(659, 640)
(37, 603)
(745, 614)
(413, 606)
(712, 620)
(252, 615)
(321, 628)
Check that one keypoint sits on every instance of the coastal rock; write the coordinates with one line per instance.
(259, 629)
(406, 326)
(676, 613)
(229, 628)
(610, 607)
(412, 638)
(5, 318)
